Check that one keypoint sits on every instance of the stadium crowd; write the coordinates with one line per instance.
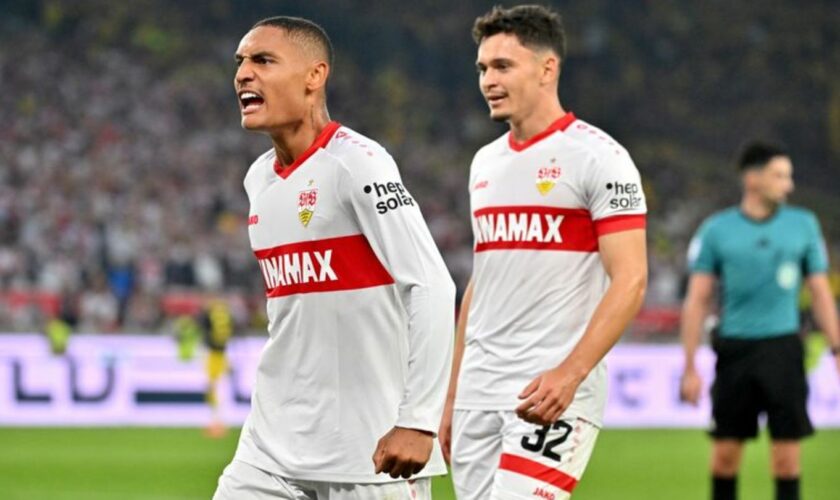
(121, 155)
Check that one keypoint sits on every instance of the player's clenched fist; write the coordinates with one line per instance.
(403, 452)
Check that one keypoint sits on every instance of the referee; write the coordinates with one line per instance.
(758, 254)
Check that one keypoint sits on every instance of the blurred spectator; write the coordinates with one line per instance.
(98, 307)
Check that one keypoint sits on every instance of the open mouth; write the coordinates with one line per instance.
(495, 99)
(250, 101)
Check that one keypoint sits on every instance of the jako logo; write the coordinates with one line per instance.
(541, 493)
(395, 195)
(625, 195)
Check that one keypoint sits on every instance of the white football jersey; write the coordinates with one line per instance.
(538, 209)
(360, 308)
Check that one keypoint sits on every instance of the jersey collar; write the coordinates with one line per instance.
(322, 140)
(560, 125)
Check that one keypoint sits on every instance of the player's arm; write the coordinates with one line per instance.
(696, 307)
(624, 256)
(445, 432)
(402, 241)
(825, 312)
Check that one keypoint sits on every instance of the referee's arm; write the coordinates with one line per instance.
(825, 312)
(697, 305)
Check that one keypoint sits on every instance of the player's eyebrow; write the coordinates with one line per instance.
(261, 54)
(495, 62)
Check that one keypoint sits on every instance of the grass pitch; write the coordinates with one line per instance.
(182, 464)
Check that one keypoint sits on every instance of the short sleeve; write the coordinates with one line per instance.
(616, 199)
(816, 257)
(702, 255)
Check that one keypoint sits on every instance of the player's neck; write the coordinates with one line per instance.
(294, 139)
(756, 208)
(536, 122)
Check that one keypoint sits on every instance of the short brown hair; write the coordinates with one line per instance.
(535, 26)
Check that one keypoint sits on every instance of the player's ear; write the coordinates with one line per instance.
(317, 76)
(550, 67)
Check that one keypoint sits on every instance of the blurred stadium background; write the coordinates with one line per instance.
(122, 212)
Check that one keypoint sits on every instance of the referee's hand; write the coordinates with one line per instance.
(690, 387)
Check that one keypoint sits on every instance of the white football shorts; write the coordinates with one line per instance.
(498, 456)
(241, 481)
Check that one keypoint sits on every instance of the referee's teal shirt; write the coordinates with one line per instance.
(760, 266)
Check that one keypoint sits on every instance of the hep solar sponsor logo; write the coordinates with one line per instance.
(625, 195)
(390, 196)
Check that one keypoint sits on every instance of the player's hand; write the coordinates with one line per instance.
(691, 386)
(403, 452)
(445, 431)
(548, 396)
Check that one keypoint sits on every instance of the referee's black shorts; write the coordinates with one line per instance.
(760, 376)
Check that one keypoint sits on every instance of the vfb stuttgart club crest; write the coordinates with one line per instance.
(547, 178)
(306, 205)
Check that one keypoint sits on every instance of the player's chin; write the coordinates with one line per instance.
(499, 115)
(251, 123)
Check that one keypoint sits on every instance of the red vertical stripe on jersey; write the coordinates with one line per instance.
(576, 230)
(618, 223)
(328, 265)
(538, 471)
(319, 142)
(559, 125)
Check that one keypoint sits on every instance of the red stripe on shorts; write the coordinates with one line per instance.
(538, 471)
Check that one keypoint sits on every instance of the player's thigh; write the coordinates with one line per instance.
(241, 481)
(413, 489)
(543, 461)
(476, 448)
